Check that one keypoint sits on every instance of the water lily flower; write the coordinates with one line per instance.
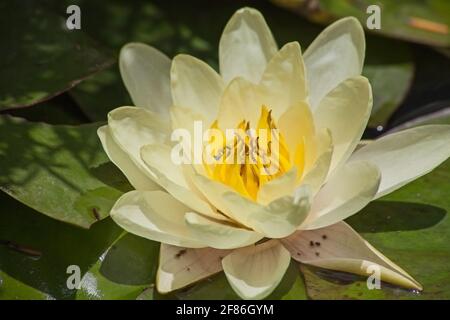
(230, 217)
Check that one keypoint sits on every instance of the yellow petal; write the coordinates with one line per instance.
(342, 249)
(297, 124)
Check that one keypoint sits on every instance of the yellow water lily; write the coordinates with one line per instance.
(231, 217)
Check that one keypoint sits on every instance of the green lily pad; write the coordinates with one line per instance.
(422, 21)
(390, 73)
(35, 251)
(424, 117)
(59, 110)
(60, 171)
(410, 226)
(40, 56)
(125, 271)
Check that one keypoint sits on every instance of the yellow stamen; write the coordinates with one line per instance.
(245, 162)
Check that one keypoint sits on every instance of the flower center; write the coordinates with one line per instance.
(246, 158)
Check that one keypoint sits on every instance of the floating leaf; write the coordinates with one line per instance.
(422, 21)
(60, 171)
(35, 251)
(40, 56)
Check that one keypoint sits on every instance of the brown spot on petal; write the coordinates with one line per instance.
(180, 253)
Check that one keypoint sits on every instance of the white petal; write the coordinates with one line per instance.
(132, 128)
(158, 156)
(297, 124)
(240, 100)
(220, 235)
(345, 111)
(316, 176)
(179, 267)
(196, 86)
(246, 46)
(406, 155)
(187, 195)
(339, 247)
(255, 271)
(335, 55)
(278, 187)
(154, 215)
(146, 74)
(347, 191)
(278, 219)
(137, 177)
(285, 79)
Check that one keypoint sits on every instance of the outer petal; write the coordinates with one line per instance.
(335, 55)
(154, 215)
(284, 79)
(146, 74)
(348, 191)
(278, 219)
(195, 85)
(342, 249)
(137, 177)
(246, 46)
(179, 267)
(158, 156)
(345, 111)
(406, 155)
(133, 128)
(220, 235)
(255, 271)
(186, 194)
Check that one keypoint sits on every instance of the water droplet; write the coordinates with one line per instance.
(380, 128)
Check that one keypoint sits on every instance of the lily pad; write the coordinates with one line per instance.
(35, 251)
(59, 110)
(422, 21)
(41, 57)
(410, 226)
(60, 171)
(390, 73)
(124, 271)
